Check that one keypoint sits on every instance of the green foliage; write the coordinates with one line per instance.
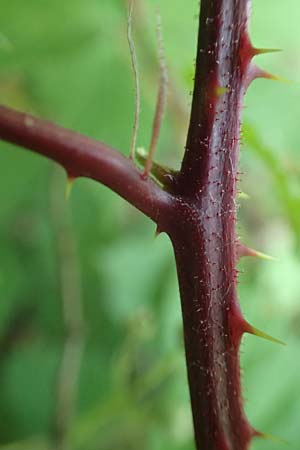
(68, 61)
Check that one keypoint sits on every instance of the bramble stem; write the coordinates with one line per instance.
(85, 157)
(199, 215)
(203, 230)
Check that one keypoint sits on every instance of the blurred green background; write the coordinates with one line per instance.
(90, 327)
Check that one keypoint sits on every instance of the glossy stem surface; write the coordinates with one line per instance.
(82, 156)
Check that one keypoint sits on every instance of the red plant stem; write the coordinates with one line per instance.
(203, 233)
(199, 215)
(85, 157)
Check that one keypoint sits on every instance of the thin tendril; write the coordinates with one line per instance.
(161, 97)
(136, 82)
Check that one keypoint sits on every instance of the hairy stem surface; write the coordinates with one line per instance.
(203, 233)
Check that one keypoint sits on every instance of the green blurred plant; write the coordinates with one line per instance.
(61, 74)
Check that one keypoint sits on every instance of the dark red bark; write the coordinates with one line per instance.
(199, 214)
(203, 233)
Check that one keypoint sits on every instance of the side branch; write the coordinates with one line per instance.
(82, 156)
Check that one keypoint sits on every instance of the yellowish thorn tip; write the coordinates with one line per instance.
(257, 72)
(243, 196)
(69, 185)
(280, 79)
(262, 51)
(243, 250)
(276, 439)
(264, 256)
(263, 335)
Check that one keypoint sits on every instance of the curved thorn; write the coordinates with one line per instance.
(264, 256)
(69, 185)
(271, 437)
(157, 232)
(262, 51)
(255, 331)
(256, 72)
(280, 79)
(243, 250)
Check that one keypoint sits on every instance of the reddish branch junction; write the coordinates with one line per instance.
(197, 209)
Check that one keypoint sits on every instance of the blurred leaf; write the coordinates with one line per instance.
(68, 61)
(283, 181)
